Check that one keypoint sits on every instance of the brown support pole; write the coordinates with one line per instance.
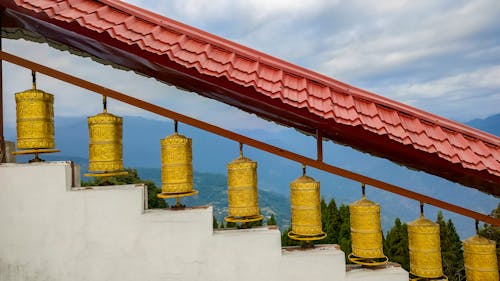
(246, 140)
(319, 145)
(3, 157)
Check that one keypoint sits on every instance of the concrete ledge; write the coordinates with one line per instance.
(388, 272)
(324, 262)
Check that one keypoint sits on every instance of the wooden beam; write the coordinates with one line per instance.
(316, 163)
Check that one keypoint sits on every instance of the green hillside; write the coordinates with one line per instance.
(213, 191)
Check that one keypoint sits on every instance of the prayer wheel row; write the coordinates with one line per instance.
(35, 134)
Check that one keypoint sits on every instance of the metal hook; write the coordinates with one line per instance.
(33, 79)
(421, 209)
(303, 169)
(176, 126)
(363, 190)
(104, 103)
(241, 150)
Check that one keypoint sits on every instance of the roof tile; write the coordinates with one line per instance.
(96, 23)
(372, 122)
(87, 6)
(481, 149)
(343, 100)
(390, 117)
(365, 107)
(458, 140)
(411, 124)
(139, 26)
(167, 36)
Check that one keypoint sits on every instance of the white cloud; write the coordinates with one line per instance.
(466, 96)
(404, 39)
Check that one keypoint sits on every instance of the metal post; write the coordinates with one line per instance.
(3, 153)
(319, 145)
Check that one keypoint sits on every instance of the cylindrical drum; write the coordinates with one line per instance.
(306, 211)
(425, 248)
(366, 233)
(243, 200)
(177, 168)
(105, 148)
(35, 119)
(480, 259)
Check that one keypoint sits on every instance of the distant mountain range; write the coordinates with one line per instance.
(213, 190)
(211, 154)
(490, 124)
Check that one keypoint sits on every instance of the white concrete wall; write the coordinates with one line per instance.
(50, 230)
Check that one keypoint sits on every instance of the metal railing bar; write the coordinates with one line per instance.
(318, 164)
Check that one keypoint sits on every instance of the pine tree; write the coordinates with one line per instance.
(451, 250)
(335, 223)
(396, 244)
(271, 220)
(286, 241)
(329, 220)
(493, 232)
(215, 225)
(325, 219)
(344, 230)
(230, 225)
(255, 223)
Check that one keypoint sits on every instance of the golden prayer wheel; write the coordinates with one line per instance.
(366, 233)
(105, 146)
(306, 209)
(243, 198)
(177, 167)
(35, 119)
(480, 259)
(425, 249)
(35, 122)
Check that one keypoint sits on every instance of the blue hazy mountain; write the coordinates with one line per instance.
(490, 124)
(211, 153)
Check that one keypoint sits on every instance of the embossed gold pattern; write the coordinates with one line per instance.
(306, 212)
(425, 249)
(366, 232)
(243, 200)
(177, 168)
(105, 147)
(35, 119)
(480, 259)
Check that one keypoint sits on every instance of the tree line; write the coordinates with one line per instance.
(336, 223)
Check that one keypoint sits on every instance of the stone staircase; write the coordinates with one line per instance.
(53, 229)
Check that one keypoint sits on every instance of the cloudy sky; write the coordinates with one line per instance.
(440, 56)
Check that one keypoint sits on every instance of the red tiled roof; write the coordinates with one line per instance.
(192, 59)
